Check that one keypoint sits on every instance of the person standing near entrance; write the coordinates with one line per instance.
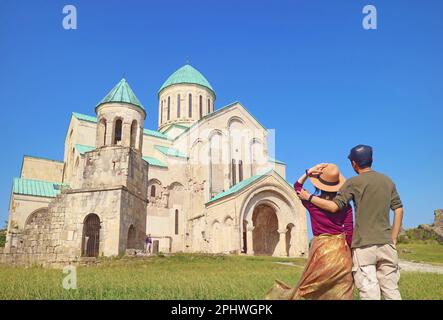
(328, 272)
(375, 259)
(148, 243)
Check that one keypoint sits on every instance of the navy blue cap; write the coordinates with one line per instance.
(361, 155)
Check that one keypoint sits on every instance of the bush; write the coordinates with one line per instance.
(2, 237)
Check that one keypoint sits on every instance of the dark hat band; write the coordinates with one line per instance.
(327, 183)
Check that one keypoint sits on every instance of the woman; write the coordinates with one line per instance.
(327, 274)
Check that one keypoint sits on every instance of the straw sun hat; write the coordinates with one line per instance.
(329, 180)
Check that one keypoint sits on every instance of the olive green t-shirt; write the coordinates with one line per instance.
(373, 195)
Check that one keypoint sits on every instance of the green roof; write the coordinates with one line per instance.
(155, 162)
(187, 74)
(84, 117)
(122, 92)
(82, 148)
(239, 186)
(275, 160)
(170, 152)
(176, 125)
(155, 133)
(39, 188)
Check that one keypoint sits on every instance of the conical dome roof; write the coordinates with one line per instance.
(187, 74)
(122, 92)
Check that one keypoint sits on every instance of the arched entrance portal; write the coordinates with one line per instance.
(130, 244)
(91, 236)
(265, 235)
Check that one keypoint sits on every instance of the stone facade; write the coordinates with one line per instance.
(212, 185)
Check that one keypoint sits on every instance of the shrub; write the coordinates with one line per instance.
(2, 237)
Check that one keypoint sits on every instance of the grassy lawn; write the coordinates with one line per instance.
(179, 277)
(421, 251)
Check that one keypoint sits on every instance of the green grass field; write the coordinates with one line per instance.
(179, 277)
(422, 251)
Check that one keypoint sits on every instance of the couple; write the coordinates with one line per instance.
(373, 264)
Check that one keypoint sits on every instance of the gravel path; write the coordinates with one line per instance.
(404, 266)
(419, 267)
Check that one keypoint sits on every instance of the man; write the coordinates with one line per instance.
(148, 243)
(375, 260)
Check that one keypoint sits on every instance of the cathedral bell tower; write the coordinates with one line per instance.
(115, 174)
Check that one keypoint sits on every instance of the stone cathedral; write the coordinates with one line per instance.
(204, 181)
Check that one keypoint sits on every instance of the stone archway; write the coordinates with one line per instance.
(131, 241)
(265, 236)
(282, 211)
(91, 236)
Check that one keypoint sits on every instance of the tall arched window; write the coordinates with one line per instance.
(118, 131)
(133, 133)
(176, 221)
(234, 177)
(209, 106)
(201, 107)
(161, 112)
(190, 106)
(169, 108)
(178, 106)
(153, 191)
(240, 171)
(102, 132)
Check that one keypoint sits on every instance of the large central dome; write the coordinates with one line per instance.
(187, 74)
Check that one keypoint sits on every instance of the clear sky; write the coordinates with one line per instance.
(304, 68)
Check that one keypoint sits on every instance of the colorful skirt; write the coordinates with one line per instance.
(327, 275)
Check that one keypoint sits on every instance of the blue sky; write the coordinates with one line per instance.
(305, 68)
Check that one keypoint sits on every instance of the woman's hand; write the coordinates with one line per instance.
(317, 169)
(303, 194)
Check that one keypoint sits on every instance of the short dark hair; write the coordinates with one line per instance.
(361, 155)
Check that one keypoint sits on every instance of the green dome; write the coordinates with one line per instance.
(122, 92)
(187, 74)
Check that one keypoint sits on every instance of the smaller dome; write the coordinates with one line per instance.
(187, 74)
(122, 92)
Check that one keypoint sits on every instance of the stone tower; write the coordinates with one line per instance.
(104, 212)
(185, 97)
(115, 175)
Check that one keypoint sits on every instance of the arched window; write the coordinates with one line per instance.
(102, 132)
(240, 171)
(77, 162)
(201, 107)
(118, 132)
(161, 112)
(209, 106)
(176, 221)
(169, 108)
(133, 133)
(190, 105)
(234, 178)
(178, 106)
(153, 191)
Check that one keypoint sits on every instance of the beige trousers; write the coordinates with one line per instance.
(376, 272)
